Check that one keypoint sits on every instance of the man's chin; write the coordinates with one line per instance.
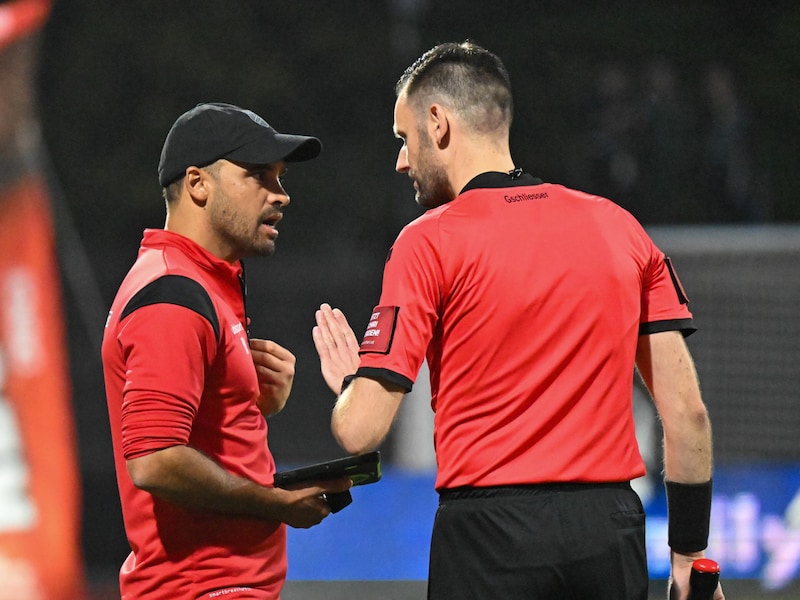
(428, 203)
(262, 249)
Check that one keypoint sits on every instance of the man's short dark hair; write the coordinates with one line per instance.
(470, 79)
(172, 191)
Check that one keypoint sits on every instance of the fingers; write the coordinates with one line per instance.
(275, 368)
(346, 336)
(334, 337)
(336, 345)
(336, 485)
(344, 333)
(322, 342)
(326, 327)
(268, 348)
(316, 498)
(270, 356)
(308, 506)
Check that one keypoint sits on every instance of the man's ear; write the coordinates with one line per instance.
(197, 183)
(439, 125)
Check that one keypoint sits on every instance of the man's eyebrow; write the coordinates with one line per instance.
(262, 168)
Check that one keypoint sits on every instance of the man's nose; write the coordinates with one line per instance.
(402, 161)
(279, 197)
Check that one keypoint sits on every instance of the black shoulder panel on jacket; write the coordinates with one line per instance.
(175, 289)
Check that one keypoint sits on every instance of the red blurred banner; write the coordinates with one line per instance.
(40, 556)
(20, 18)
(39, 482)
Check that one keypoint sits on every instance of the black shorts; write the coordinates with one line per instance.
(566, 541)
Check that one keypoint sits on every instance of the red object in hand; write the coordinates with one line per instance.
(703, 580)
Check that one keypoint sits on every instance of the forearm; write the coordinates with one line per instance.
(667, 368)
(355, 431)
(364, 414)
(687, 475)
(687, 445)
(186, 477)
(669, 373)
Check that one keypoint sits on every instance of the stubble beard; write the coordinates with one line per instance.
(433, 187)
(238, 232)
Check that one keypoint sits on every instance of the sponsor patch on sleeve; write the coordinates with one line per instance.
(380, 330)
(682, 297)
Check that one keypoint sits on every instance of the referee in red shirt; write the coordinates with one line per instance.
(532, 303)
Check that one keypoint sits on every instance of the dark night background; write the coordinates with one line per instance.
(595, 109)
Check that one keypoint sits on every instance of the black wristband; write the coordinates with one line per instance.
(688, 514)
(348, 379)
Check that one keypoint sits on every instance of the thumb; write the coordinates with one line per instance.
(336, 485)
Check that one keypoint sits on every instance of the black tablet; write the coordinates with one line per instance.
(361, 469)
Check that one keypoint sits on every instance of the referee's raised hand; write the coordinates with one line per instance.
(336, 345)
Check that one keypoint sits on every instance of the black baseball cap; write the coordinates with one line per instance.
(211, 131)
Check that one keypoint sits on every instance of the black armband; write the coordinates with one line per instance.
(348, 379)
(688, 514)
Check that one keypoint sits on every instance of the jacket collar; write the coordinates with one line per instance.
(159, 238)
(497, 179)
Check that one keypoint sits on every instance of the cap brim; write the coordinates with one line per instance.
(305, 147)
(287, 147)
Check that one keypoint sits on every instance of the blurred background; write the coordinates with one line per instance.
(687, 114)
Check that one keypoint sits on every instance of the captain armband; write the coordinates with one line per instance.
(688, 514)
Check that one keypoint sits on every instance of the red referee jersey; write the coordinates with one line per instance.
(527, 300)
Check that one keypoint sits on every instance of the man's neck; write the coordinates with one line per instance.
(469, 164)
(476, 155)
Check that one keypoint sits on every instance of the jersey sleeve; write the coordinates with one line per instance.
(402, 325)
(167, 348)
(664, 300)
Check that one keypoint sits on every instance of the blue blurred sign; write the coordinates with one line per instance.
(383, 534)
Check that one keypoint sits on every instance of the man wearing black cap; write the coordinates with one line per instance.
(187, 390)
